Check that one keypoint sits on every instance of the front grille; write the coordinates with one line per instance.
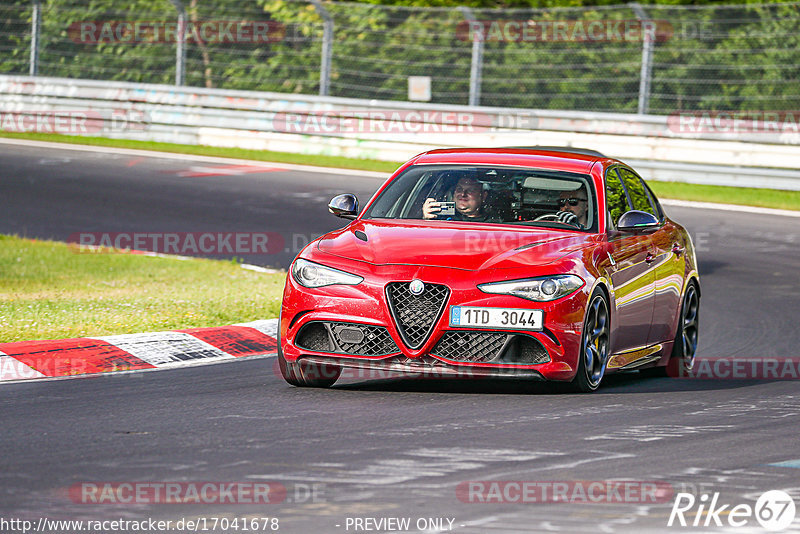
(416, 315)
(346, 338)
(490, 347)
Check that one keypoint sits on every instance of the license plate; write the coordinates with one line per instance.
(501, 318)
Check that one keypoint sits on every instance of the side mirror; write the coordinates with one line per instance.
(344, 206)
(636, 220)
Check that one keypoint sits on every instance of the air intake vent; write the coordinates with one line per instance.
(346, 338)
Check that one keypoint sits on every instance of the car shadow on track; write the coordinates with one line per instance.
(635, 382)
(621, 383)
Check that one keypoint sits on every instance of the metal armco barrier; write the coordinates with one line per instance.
(661, 147)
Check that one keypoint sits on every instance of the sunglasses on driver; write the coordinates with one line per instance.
(573, 201)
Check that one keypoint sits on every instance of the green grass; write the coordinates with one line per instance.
(766, 198)
(746, 196)
(50, 291)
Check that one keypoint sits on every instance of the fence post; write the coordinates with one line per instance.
(327, 48)
(648, 36)
(36, 28)
(180, 50)
(476, 65)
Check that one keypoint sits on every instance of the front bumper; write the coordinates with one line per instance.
(366, 304)
(418, 368)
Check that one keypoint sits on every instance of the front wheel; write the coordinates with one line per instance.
(309, 375)
(594, 345)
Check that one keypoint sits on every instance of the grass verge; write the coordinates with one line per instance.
(48, 291)
(765, 198)
(743, 196)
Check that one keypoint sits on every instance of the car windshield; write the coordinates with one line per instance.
(489, 194)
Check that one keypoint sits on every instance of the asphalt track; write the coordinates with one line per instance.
(391, 448)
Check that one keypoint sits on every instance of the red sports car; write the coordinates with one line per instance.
(545, 264)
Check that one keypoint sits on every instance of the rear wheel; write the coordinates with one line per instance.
(304, 374)
(681, 360)
(594, 345)
(684, 349)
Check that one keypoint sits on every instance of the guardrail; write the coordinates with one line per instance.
(695, 149)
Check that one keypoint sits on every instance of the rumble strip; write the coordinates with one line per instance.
(133, 352)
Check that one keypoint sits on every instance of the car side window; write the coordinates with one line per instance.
(654, 201)
(616, 200)
(640, 200)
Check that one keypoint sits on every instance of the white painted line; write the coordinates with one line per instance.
(135, 252)
(115, 374)
(166, 348)
(728, 207)
(190, 157)
(150, 254)
(788, 463)
(258, 269)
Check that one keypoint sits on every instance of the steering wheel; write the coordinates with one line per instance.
(565, 217)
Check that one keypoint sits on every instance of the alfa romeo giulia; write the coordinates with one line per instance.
(528, 263)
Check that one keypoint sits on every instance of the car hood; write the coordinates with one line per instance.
(468, 246)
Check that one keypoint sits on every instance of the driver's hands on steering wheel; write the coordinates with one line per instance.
(567, 217)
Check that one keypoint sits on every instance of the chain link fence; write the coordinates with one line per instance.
(628, 58)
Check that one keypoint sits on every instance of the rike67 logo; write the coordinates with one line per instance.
(774, 511)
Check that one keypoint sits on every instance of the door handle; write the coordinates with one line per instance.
(650, 258)
(677, 249)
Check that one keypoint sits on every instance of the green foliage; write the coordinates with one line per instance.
(615, 197)
(713, 57)
(15, 22)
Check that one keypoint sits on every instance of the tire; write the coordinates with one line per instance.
(684, 348)
(306, 375)
(594, 345)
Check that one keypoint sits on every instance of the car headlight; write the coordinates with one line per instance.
(541, 289)
(310, 274)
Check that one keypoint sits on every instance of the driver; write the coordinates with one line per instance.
(469, 197)
(573, 206)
